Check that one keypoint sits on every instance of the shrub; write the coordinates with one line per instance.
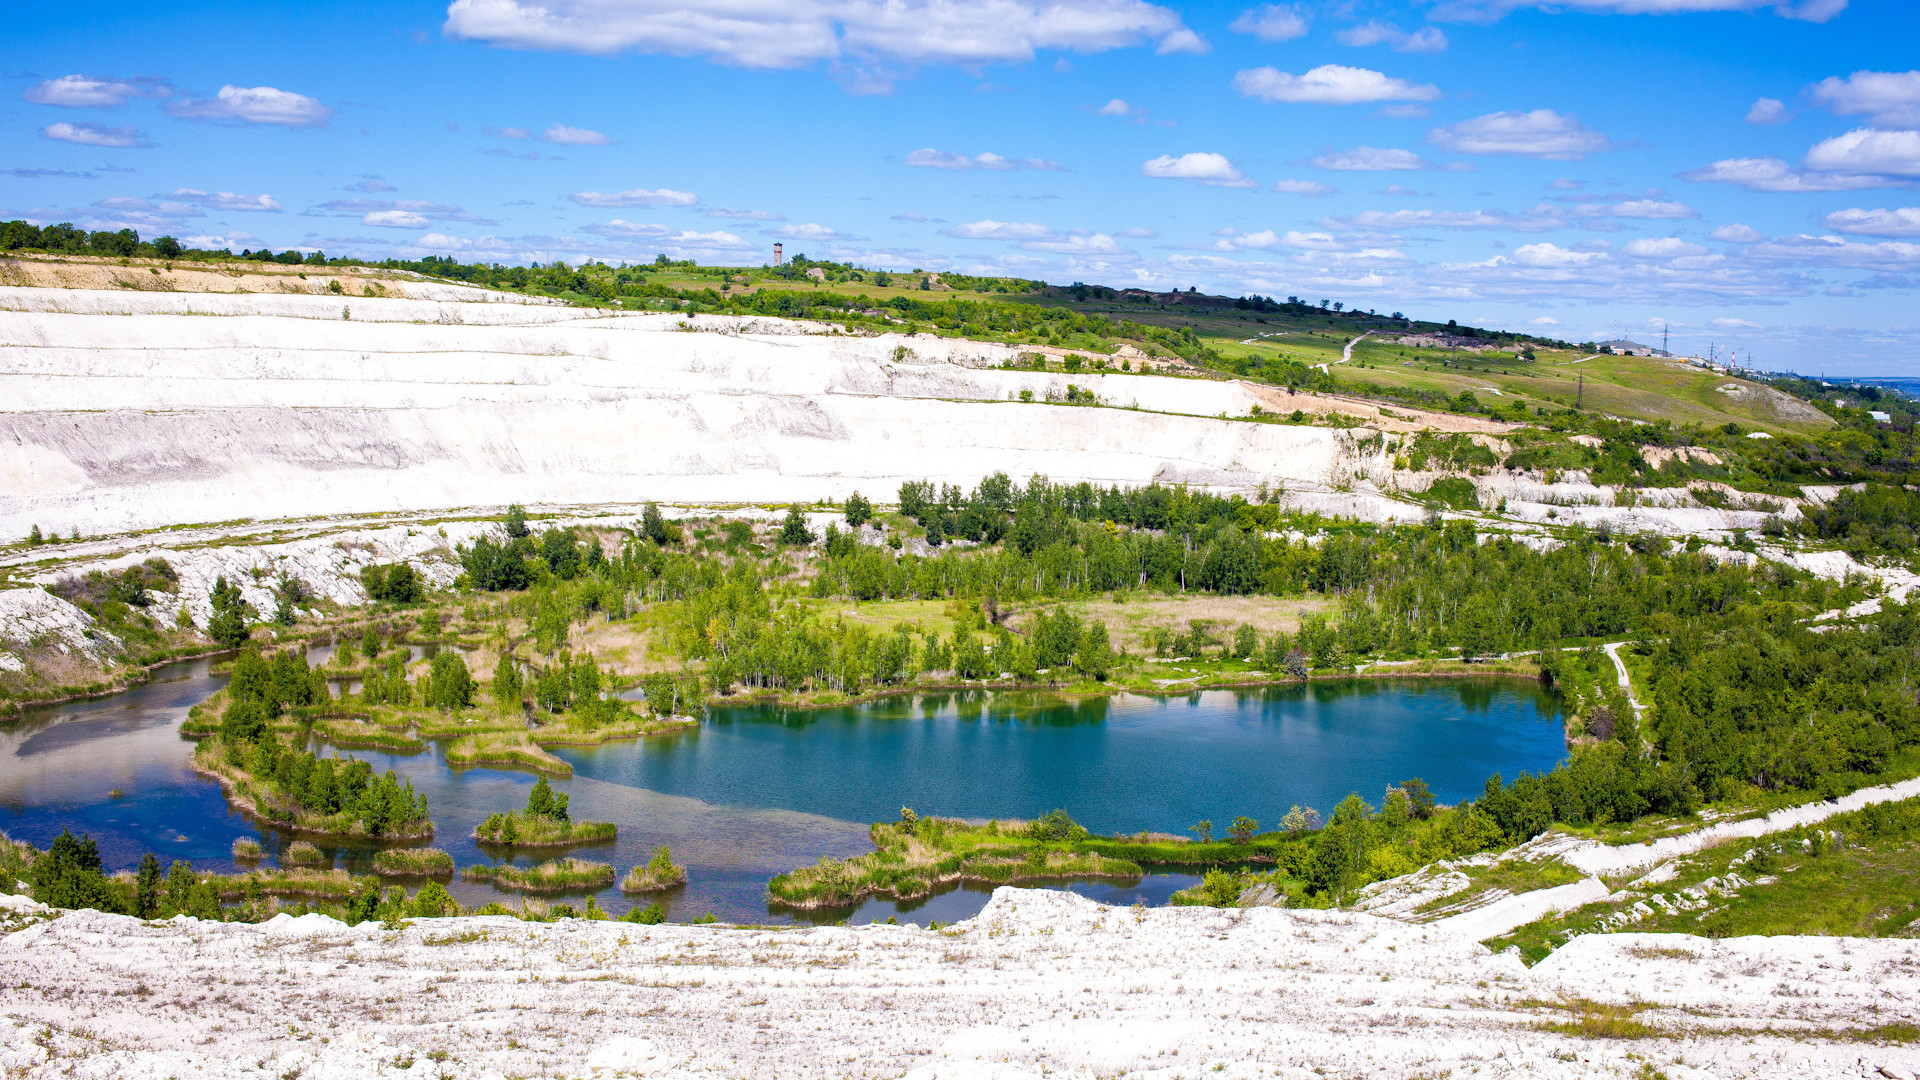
(1055, 826)
(302, 853)
(553, 876)
(659, 872)
(247, 849)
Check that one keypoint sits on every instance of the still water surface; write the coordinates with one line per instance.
(757, 790)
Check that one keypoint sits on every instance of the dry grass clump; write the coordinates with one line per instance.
(659, 872)
(303, 853)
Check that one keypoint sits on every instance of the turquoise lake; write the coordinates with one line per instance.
(757, 790)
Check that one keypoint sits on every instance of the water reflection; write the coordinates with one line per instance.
(756, 790)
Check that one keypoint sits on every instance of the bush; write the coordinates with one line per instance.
(392, 583)
(413, 862)
(69, 876)
(303, 853)
(659, 872)
(1055, 826)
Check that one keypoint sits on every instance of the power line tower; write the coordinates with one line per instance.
(1663, 340)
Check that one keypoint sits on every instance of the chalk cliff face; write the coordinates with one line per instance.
(125, 411)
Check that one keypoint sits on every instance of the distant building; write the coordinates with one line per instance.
(1880, 417)
(776, 255)
(1624, 347)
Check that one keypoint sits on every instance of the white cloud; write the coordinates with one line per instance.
(989, 229)
(635, 197)
(1549, 255)
(395, 210)
(1329, 84)
(1903, 222)
(256, 105)
(744, 215)
(1868, 151)
(442, 242)
(97, 135)
(1835, 251)
(1136, 234)
(1369, 159)
(227, 200)
(1653, 210)
(395, 219)
(1088, 244)
(1116, 107)
(1213, 170)
(1666, 247)
(371, 184)
(1885, 98)
(1427, 39)
(1450, 219)
(88, 92)
(508, 132)
(929, 158)
(562, 135)
(1273, 22)
(1183, 42)
(1817, 11)
(1772, 174)
(1735, 324)
(1401, 192)
(1306, 188)
(1235, 240)
(1403, 112)
(1736, 233)
(808, 231)
(622, 229)
(1768, 111)
(1541, 133)
(779, 34)
(1544, 321)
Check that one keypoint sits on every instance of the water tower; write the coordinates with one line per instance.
(776, 254)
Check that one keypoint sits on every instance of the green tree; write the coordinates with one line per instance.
(449, 685)
(228, 626)
(859, 510)
(1202, 830)
(516, 522)
(1095, 659)
(69, 876)
(146, 887)
(507, 684)
(167, 247)
(794, 531)
(1242, 830)
(543, 801)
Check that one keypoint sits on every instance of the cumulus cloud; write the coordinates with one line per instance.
(1885, 98)
(1549, 255)
(1427, 39)
(391, 212)
(1541, 133)
(1666, 247)
(1213, 170)
(1837, 251)
(1183, 42)
(989, 229)
(1450, 219)
(1306, 188)
(1652, 210)
(1868, 151)
(1077, 244)
(1737, 233)
(681, 239)
(809, 231)
(562, 135)
(1273, 22)
(97, 135)
(1775, 175)
(1768, 111)
(929, 158)
(395, 219)
(635, 197)
(255, 105)
(92, 92)
(778, 34)
(1369, 159)
(622, 229)
(1329, 84)
(227, 200)
(1817, 11)
(1902, 223)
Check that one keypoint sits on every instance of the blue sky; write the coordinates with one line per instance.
(1743, 170)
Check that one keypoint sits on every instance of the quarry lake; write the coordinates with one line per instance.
(754, 791)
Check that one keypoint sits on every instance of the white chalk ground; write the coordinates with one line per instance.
(1039, 984)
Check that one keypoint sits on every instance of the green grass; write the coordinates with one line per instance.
(413, 862)
(554, 876)
(656, 874)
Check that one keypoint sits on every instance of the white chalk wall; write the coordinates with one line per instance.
(123, 411)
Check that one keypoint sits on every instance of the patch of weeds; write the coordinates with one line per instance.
(1598, 1020)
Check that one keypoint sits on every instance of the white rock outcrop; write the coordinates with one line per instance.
(1040, 983)
(125, 411)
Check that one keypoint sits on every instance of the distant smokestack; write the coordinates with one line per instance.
(776, 254)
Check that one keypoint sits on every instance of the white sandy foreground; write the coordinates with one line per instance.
(1041, 983)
